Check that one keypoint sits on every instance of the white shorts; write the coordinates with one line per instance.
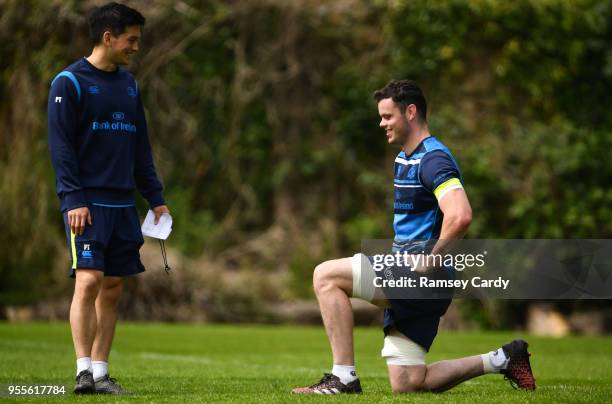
(398, 349)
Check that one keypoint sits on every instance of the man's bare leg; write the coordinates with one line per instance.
(511, 360)
(436, 377)
(106, 310)
(82, 310)
(333, 284)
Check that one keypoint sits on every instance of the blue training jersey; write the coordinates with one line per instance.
(98, 139)
(420, 180)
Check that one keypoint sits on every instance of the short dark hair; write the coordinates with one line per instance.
(404, 93)
(113, 17)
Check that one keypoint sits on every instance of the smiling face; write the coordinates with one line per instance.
(393, 121)
(122, 47)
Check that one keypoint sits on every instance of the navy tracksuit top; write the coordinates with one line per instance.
(98, 139)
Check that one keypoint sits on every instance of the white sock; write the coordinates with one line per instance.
(100, 369)
(494, 361)
(346, 373)
(84, 364)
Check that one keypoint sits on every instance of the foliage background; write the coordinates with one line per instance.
(266, 135)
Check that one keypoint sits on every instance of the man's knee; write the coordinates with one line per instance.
(333, 274)
(323, 276)
(88, 283)
(408, 379)
(111, 289)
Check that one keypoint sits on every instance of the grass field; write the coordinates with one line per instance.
(212, 363)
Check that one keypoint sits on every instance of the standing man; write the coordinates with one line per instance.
(101, 153)
(432, 206)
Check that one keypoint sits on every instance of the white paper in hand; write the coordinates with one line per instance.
(160, 230)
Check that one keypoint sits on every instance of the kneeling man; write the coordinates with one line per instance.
(431, 206)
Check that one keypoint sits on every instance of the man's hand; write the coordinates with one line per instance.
(457, 212)
(77, 219)
(159, 210)
(418, 263)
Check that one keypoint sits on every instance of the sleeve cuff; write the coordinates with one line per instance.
(75, 199)
(155, 200)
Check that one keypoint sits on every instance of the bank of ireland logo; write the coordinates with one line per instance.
(86, 253)
(131, 91)
(117, 124)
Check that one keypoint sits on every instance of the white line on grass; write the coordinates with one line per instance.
(208, 361)
(35, 344)
(178, 358)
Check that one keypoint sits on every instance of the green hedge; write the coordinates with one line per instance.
(262, 121)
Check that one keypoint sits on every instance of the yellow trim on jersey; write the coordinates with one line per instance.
(73, 248)
(446, 186)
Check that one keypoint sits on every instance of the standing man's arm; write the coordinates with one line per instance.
(147, 182)
(63, 106)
